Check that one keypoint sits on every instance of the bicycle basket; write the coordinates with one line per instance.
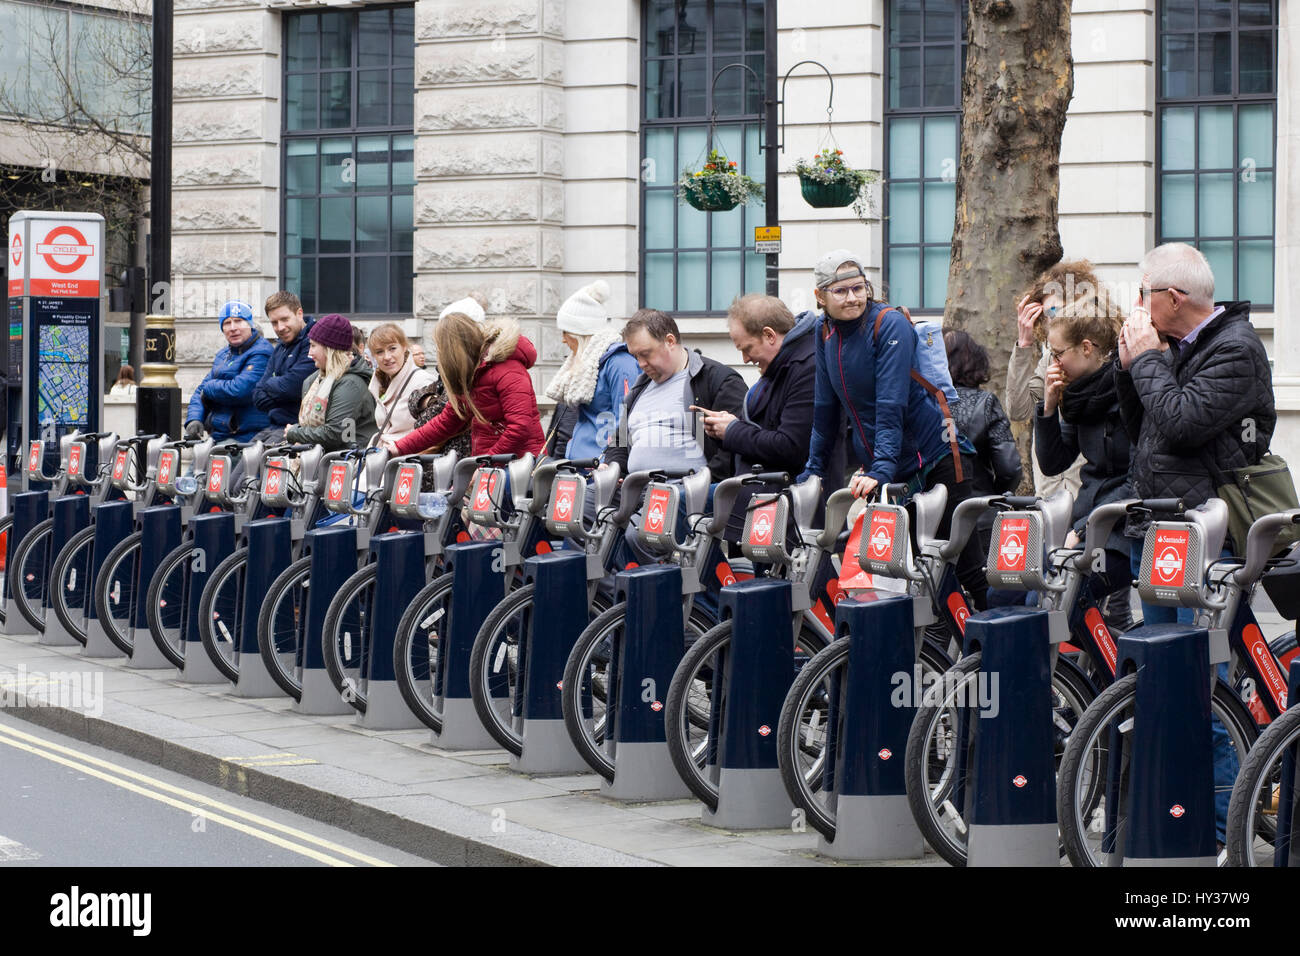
(765, 529)
(275, 483)
(338, 487)
(1173, 557)
(564, 510)
(658, 530)
(405, 502)
(489, 486)
(1015, 558)
(886, 543)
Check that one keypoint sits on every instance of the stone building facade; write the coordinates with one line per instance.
(530, 166)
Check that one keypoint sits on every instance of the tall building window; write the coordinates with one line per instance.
(349, 160)
(1217, 106)
(926, 58)
(692, 261)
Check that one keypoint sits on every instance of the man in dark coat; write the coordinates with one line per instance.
(279, 392)
(775, 422)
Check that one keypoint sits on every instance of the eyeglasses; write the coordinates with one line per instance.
(1148, 293)
(857, 291)
(1057, 353)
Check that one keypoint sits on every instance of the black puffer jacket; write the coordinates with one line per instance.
(1198, 404)
(980, 418)
(1089, 424)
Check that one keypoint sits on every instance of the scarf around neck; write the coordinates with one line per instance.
(575, 383)
(1090, 399)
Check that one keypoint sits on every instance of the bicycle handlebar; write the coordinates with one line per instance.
(578, 464)
(1170, 506)
(496, 460)
(1259, 545)
(964, 518)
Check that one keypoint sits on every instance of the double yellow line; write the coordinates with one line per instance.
(269, 831)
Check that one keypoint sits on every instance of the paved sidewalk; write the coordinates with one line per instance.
(391, 786)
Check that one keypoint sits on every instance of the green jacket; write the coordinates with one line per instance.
(350, 398)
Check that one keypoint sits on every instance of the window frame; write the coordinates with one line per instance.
(1235, 100)
(921, 113)
(319, 135)
(747, 123)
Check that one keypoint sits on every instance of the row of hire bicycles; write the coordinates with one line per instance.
(533, 507)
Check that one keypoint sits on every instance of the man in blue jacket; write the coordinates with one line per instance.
(279, 393)
(222, 405)
(864, 377)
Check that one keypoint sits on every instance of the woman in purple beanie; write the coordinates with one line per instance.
(337, 393)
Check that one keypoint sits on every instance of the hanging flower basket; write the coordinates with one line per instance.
(717, 186)
(827, 183)
(827, 195)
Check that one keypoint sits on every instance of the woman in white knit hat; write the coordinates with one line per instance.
(597, 374)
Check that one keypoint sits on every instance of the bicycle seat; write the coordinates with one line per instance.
(520, 473)
(444, 470)
(695, 491)
(309, 464)
(929, 506)
(804, 498)
(202, 452)
(375, 462)
(1057, 512)
(252, 459)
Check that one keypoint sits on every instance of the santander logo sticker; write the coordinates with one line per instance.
(1013, 534)
(74, 460)
(656, 511)
(960, 612)
(1254, 639)
(405, 480)
(564, 494)
(482, 497)
(273, 481)
(217, 474)
(335, 492)
(165, 468)
(34, 462)
(119, 466)
(880, 543)
(1169, 566)
(1101, 634)
(764, 518)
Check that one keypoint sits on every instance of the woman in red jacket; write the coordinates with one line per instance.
(485, 369)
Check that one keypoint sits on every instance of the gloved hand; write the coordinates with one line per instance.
(193, 429)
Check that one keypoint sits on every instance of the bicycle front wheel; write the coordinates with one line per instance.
(116, 592)
(70, 582)
(591, 678)
(6, 529)
(416, 649)
(694, 708)
(281, 627)
(1093, 782)
(1268, 774)
(345, 636)
(31, 575)
(221, 613)
(166, 602)
(811, 728)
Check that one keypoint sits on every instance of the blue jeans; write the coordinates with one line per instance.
(1226, 759)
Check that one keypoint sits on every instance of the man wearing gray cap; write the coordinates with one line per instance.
(866, 357)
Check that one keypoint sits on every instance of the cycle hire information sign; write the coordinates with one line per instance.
(56, 278)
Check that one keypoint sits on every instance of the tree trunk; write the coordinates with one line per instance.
(1017, 86)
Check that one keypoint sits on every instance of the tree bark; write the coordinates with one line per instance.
(1017, 86)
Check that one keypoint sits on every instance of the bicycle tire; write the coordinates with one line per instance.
(931, 744)
(73, 563)
(277, 637)
(33, 583)
(344, 653)
(415, 649)
(1261, 769)
(219, 610)
(492, 666)
(110, 580)
(167, 601)
(588, 732)
(680, 708)
(796, 734)
(1106, 709)
(6, 523)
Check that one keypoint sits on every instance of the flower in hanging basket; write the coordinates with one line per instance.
(717, 186)
(826, 182)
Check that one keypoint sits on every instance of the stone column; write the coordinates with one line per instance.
(489, 199)
(225, 201)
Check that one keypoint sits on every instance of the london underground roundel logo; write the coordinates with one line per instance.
(762, 529)
(1019, 780)
(273, 481)
(655, 519)
(1176, 811)
(481, 500)
(165, 469)
(564, 501)
(1012, 549)
(1168, 565)
(880, 542)
(336, 488)
(764, 730)
(119, 467)
(885, 753)
(404, 489)
(65, 249)
(16, 250)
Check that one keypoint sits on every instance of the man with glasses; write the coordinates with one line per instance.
(864, 378)
(1196, 396)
